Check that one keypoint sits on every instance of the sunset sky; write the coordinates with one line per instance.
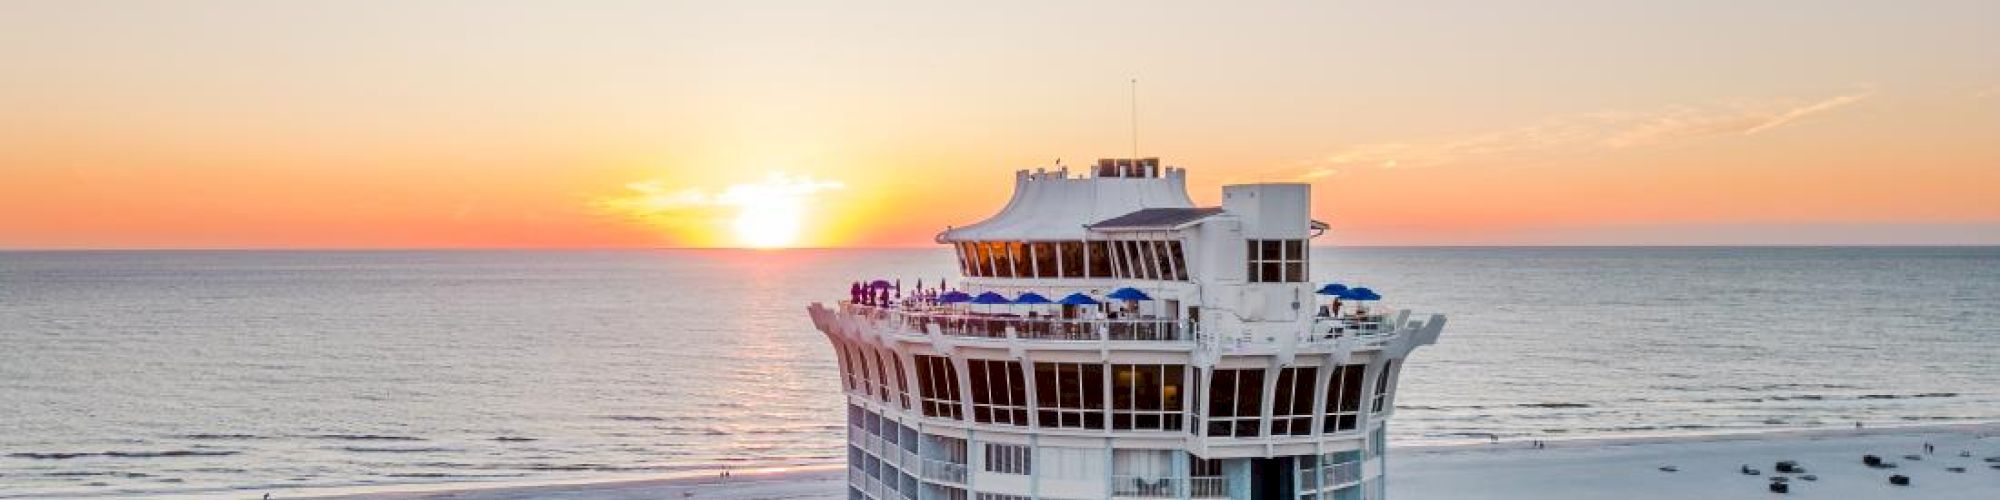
(646, 124)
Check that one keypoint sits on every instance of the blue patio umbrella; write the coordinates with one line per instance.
(880, 284)
(1332, 289)
(1032, 298)
(990, 298)
(1128, 293)
(1078, 299)
(1360, 293)
(954, 297)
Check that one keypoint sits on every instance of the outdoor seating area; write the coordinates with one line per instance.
(1121, 315)
(1118, 315)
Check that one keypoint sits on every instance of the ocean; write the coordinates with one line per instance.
(132, 373)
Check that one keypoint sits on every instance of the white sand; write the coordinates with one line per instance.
(1625, 469)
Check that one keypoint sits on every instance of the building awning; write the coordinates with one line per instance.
(1155, 219)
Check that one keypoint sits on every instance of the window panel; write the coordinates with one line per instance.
(1047, 265)
(1098, 259)
(1070, 395)
(1072, 258)
(999, 393)
(1235, 402)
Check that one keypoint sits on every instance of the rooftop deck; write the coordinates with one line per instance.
(914, 318)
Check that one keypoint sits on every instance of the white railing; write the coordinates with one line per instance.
(1342, 474)
(961, 323)
(1208, 487)
(872, 444)
(909, 459)
(1143, 487)
(942, 471)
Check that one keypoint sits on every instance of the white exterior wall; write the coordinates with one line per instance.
(1245, 325)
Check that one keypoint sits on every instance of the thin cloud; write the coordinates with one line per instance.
(652, 201)
(1585, 133)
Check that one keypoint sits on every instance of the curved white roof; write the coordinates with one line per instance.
(1054, 206)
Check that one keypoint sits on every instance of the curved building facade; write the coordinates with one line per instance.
(1206, 368)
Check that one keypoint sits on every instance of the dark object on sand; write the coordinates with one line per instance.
(1809, 477)
(1913, 458)
(1670, 468)
(1749, 471)
(1995, 460)
(1965, 454)
(1787, 466)
(1955, 469)
(1899, 480)
(1778, 487)
(1871, 460)
(1780, 479)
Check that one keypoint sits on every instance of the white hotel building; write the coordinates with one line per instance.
(1231, 381)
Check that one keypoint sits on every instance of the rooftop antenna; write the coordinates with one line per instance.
(1135, 122)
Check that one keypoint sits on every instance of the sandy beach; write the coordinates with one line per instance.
(1708, 467)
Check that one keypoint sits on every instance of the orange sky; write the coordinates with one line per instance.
(635, 124)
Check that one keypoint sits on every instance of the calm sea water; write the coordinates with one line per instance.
(124, 373)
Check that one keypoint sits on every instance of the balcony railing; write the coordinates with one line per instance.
(1143, 487)
(1342, 473)
(942, 471)
(962, 323)
(1208, 487)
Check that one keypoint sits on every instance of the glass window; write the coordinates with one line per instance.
(999, 393)
(1072, 258)
(1292, 402)
(1146, 397)
(1098, 259)
(1178, 262)
(1047, 263)
(1275, 261)
(1382, 385)
(1070, 395)
(1343, 398)
(1235, 402)
(983, 257)
(1009, 459)
(939, 387)
(1024, 264)
(902, 386)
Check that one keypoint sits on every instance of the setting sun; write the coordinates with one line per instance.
(768, 220)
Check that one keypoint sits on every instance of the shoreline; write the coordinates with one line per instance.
(1406, 462)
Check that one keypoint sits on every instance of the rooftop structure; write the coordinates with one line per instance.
(1109, 339)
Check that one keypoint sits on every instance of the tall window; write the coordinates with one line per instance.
(1343, 398)
(902, 386)
(1070, 395)
(1009, 459)
(965, 259)
(939, 387)
(1177, 268)
(1098, 258)
(999, 393)
(1072, 258)
(1146, 397)
(1047, 260)
(1292, 401)
(1382, 386)
(849, 368)
(1024, 265)
(882, 377)
(1275, 261)
(983, 257)
(1235, 402)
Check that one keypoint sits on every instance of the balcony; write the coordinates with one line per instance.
(944, 472)
(1144, 487)
(964, 323)
(1208, 487)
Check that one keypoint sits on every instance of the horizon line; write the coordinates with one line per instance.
(935, 247)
